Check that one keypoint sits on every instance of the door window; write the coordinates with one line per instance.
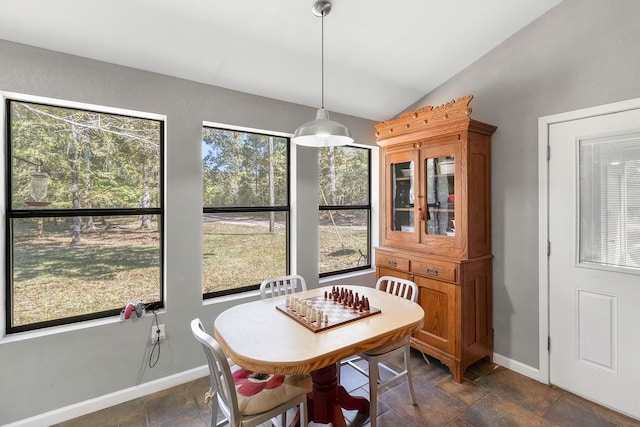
(610, 201)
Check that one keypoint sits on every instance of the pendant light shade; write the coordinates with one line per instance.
(322, 132)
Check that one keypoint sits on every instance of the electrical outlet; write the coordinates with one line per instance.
(157, 336)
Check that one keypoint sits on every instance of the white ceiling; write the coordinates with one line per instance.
(381, 56)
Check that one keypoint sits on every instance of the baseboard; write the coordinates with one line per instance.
(519, 367)
(96, 404)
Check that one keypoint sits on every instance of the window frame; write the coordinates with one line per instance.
(367, 207)
(11, 213)
(254, 209)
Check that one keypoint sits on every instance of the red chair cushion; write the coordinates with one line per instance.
(259, 393)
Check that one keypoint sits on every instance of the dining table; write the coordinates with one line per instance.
(264, 336)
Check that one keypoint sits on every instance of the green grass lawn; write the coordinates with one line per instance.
(117, 263)
(112, 265)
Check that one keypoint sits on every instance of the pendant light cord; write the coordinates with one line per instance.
(322, 57)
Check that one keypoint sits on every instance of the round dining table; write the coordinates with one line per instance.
(262, 337)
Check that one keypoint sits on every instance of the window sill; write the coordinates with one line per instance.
(233, 298)
(358, 276)
(55, 330)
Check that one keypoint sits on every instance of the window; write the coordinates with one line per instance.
(610, 202)
(345, 209)
(246, 209)
(84, 214)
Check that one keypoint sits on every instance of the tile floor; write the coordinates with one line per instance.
(489, 396)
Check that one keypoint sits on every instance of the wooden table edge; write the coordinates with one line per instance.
(320, 361)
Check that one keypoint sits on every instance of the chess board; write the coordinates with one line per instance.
(338, 314)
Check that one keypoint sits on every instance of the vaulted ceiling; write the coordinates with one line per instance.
(380, 56)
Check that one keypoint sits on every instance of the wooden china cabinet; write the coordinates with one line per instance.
(436, 209)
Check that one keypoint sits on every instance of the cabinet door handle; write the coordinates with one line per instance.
(432, 272)
(392, 263)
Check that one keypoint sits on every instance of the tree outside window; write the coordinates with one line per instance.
(94, 240)
(246, 209)
(345, 209)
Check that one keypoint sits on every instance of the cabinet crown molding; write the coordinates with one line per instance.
(427, 117)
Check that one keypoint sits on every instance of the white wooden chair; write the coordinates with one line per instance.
(283, 285)
(238, 395)
(376, 357)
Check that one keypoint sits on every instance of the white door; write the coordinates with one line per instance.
(594, 260)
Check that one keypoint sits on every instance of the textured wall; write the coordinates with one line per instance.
(580, 54)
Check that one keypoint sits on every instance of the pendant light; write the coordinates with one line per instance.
(322, 132)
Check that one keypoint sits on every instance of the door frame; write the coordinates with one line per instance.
(544, 123)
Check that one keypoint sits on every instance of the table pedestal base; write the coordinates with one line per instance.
(327, 399)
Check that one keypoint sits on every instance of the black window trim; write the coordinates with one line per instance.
(367, 264)
(11, 213)
(253, 209)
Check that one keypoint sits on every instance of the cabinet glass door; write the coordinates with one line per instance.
(440, 174)
(402, 187)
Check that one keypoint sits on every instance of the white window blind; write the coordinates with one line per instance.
(610, 201)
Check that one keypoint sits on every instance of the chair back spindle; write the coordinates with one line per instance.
(283, 285)
(400, 287)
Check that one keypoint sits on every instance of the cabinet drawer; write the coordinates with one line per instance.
(392, 262)
(436, 270)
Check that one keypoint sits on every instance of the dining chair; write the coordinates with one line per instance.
(377, 356)
(283, 285)
(246, 398)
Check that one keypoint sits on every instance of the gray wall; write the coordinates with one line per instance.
(580, 54)
(42, 373)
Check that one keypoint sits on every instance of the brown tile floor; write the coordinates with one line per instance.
(489, 396)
